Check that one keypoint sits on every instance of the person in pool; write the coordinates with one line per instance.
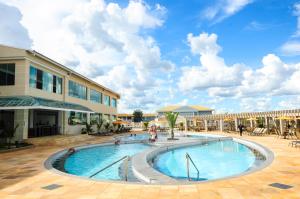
(153, 133)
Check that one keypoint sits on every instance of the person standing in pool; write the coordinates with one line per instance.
(152, 133)
(241, 128)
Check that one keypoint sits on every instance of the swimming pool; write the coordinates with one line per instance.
(139, 137)
(85, 162)
(164, 161)
(214, 160)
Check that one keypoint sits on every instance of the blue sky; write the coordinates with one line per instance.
(231, 55)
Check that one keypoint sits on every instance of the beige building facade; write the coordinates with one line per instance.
(44, 97)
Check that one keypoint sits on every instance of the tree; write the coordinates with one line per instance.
(171, 118)
(146, 124)
(88, 129)
(100, 124)
(107, 127)
(137, 116)
(10, 133)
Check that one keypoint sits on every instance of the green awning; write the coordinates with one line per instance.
(29, 102)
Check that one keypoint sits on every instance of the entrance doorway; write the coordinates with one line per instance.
(43, 123)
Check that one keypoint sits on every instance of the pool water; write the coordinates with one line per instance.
(86, 162)
(213, 160)
(141, 136)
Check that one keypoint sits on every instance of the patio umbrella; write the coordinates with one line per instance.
(252, 119)
(228, 119)
(285, 118)
(119, 122)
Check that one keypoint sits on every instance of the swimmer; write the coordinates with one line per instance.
(71, 150)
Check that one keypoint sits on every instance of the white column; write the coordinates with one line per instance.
(221, 125)
(21, 119)
(251, 123)
(267, 124)
(185, 125)
(281, 126)
(236, 124)
(206, 125)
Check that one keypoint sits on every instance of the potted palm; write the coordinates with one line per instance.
(88, 129)
(171, 118)
(146, 124)
(107, 127)
(10, 134)
(99, 125)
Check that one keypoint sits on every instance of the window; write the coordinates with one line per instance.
(75, 118)
(107, 100)
(77, 90)
(47, 82)
(57, 85)
(95, 96)
(95, 118)
(114, 102)
(32, 77)
(7, 74)
(44, 81)
(39, 79)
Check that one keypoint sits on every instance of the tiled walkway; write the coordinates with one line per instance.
(22, 175)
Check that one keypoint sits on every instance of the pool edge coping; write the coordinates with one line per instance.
(269, 159)
(141, 165)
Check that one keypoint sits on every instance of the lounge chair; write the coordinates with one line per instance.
(255, 131)
(262, 132)
(296, 142)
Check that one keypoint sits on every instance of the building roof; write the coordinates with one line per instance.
(174, 108)
(131, 115)
(28, 102)
(35, 53)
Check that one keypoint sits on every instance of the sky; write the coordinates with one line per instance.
(229, 55)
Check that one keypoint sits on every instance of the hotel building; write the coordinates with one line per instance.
(45, 98)
(185, 111)
(147, 117)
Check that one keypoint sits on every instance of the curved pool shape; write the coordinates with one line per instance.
(214, 160)
(87, 161)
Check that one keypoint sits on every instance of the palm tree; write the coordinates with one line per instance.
(146, 124)
(88, 129)
(107, 127)
(171, 118)
(100, 124)
(10, 133)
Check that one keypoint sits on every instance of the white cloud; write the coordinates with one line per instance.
(291, 48)
(104, 41)
(213, 71)
(290, 103)
(255, 104)
(254, 88)
(224, 8)
(12, 32)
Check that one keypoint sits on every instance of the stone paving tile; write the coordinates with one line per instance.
(22, 175)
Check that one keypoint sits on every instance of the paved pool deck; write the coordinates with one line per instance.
(22, 175)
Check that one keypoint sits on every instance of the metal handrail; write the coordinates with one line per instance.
(188, 159)
(126, 165)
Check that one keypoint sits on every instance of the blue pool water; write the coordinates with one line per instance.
(214, 160)
(88, 161)
(140, 137)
